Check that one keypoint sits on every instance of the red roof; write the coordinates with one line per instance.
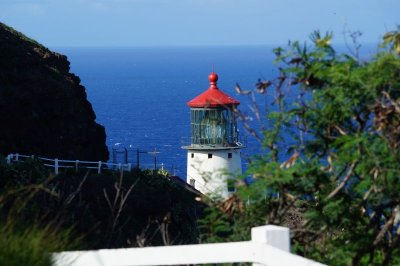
(213, 97)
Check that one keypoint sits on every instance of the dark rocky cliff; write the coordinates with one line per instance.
(43, 108)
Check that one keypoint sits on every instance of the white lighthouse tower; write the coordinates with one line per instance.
(213, 154)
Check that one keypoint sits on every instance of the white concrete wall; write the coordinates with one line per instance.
(210, 174)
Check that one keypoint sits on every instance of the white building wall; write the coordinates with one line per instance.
(210, 174)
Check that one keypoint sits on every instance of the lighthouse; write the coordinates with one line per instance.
(213, 152)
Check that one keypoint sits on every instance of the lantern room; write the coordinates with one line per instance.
(212, 117)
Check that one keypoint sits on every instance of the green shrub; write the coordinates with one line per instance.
(331, 166)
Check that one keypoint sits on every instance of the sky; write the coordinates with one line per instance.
(131, 23)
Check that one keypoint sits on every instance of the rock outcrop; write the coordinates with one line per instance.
(43, 108)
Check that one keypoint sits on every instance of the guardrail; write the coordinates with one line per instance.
(241, 142)
(269, 245)
(58, 164)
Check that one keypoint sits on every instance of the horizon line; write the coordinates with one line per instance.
(195, 46)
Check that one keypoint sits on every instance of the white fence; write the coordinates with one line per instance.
(269, 245)
(58, 164)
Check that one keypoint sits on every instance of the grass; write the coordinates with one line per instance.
(24, 238)
(22, 244)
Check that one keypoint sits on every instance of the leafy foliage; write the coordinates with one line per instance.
(331, 170)
(392, 39)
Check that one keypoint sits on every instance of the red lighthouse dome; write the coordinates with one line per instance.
(213, 97)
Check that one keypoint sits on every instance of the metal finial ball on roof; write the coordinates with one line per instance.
(213, 78)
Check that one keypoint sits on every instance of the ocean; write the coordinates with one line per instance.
(139, 94)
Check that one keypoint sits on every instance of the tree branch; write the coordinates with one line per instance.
(344, 181)
(386, 227)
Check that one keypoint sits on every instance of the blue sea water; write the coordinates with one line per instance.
(140, 94)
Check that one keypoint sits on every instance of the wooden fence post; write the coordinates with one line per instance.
(76, 165)
(276, 236)
(9, 158)
(99, 168)
(129, 167)
(56, 166)
(16, 157)
(273, 235)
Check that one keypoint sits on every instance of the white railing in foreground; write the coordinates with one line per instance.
(73, 164)
(269, 245)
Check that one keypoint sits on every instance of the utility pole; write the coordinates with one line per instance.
(138, 152)
(154, 153)
(137, 158)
